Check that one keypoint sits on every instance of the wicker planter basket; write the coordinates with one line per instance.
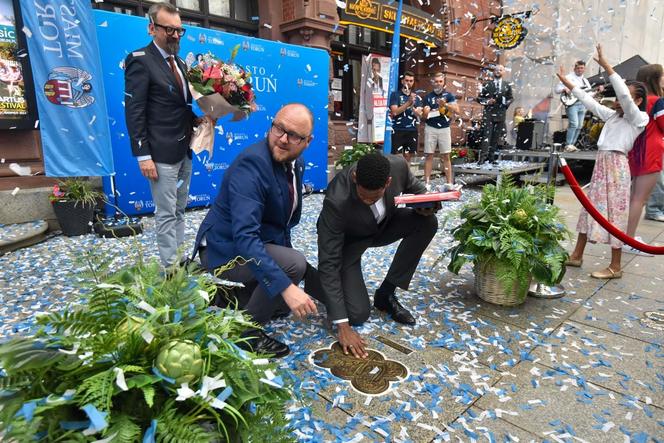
(489, 288)
(74, 218)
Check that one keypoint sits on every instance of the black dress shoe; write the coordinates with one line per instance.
(261, 343)
(392, 306)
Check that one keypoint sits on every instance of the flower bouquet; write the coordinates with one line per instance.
(220, 89)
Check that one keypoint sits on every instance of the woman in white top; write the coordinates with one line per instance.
(610, 182)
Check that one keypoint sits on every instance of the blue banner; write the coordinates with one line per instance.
(280, 74)
(69, 89)
(394, 76)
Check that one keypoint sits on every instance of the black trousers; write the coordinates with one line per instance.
(254, 300)
(414, 231)
(494, 138)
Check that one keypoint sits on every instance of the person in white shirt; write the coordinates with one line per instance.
(610, 183)
(576, 112)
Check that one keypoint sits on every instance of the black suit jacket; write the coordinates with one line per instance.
(159, 120)
(345, 219)
(496, 112)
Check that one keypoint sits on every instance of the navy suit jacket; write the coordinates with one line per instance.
(159, 120)
(503, 97)
(252, 209)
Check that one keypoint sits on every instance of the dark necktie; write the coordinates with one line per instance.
(178, 80)
(291, 188)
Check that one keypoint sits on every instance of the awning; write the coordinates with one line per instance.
(626, 69)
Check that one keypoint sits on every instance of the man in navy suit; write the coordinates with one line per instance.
(496, 96)
(259, 202)
(160, 120)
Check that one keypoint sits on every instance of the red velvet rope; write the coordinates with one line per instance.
(586, 203)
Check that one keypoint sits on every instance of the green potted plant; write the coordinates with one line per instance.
(460, 155)
(510, 235)
(74, 201)
(144, 359)
(350, 156)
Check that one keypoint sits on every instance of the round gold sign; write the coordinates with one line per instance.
(509, 32)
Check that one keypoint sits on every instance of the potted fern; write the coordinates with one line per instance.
(510, 235)
(144, 359)
(350, 156)
(74, 201)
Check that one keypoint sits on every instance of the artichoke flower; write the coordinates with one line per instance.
(180, 360)
(520, 216)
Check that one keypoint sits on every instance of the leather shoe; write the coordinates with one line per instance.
(607, 273)
(392, 306)
(261, 343)
(574, 263)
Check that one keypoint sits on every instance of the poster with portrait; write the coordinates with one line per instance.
(14, 105)
(373, 98)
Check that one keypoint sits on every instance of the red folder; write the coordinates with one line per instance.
(424, 200)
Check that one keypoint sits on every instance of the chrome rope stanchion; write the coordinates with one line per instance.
(537, 289)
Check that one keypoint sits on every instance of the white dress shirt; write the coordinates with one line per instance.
(619, 132)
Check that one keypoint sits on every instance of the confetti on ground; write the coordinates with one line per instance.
(533, 373)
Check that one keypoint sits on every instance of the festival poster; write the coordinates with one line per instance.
(13, 103)
(373, 98)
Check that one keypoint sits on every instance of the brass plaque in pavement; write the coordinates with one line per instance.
(372, 375)
(653, 320)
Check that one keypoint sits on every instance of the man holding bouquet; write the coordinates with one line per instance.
(259, 202)
(160, 122)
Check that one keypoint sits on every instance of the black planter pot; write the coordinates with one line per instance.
(75, 218)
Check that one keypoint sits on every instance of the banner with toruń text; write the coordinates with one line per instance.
(69, 89)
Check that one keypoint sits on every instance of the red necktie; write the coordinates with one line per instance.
(291, 188)
(176, 74)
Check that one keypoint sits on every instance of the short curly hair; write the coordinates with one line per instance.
(372, 171)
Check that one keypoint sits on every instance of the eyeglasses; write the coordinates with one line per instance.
(171, 30)
(292, 137)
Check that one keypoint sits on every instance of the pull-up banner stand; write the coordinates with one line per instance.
(69, 87)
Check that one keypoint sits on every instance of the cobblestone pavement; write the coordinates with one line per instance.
(587, 367)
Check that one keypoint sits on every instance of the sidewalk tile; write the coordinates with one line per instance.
(612, 361)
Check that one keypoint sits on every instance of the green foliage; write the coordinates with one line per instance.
(76, 189)
(80, 357)
(515, 226)
(350, 156)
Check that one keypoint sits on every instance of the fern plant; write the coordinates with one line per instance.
(516, 229)
(90, 372)
(350, 156)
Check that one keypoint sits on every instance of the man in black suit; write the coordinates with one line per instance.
(496, 97)
(359, 213)
(160, 121)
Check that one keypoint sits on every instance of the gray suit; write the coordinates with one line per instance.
(347, 227)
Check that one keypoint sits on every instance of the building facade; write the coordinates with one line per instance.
(315, 23)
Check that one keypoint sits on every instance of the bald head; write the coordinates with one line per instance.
(498, 71)
(300, 111)
(291, 132)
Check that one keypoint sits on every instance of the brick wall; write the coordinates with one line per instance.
(289, 10)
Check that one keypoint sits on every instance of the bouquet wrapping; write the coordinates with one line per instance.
(220, 89)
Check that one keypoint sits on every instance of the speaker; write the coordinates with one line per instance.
(530, 135)
(560, 137)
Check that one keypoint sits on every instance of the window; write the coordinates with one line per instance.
(220, 7)
(357, 42)
(235, 16)
(194, 5)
